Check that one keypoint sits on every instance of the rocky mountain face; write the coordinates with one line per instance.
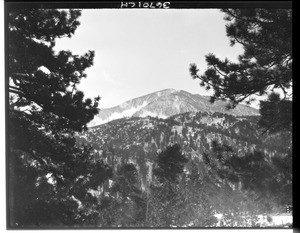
(137, 140)
(166, 103)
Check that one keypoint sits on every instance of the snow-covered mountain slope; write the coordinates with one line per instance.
(166, 103)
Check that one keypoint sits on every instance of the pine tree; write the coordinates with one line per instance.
(129, 199)
(49, 175)
(166, 200)
(265, 66)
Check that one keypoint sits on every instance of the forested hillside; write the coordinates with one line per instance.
(201, 136)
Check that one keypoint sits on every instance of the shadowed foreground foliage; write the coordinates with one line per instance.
(49, 176)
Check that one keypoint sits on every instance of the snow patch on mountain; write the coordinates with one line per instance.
(127, 112)
(153, 114)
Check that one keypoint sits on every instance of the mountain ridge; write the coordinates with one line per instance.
(167, 103)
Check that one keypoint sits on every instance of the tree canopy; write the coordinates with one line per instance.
(264, 68)
(42, 80)
(49, 175)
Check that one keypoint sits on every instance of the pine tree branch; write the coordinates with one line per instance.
(216, 69)
(239, 41)
(208, 83)
(16, 92)
(256, 22)
(16, 78)
(14, 88)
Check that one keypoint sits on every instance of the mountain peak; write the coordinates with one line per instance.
(166, 91)
(166, 103)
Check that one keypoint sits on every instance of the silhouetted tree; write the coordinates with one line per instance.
(49, 176)
(265, 65)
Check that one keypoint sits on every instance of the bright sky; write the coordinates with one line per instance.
(140, 51)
